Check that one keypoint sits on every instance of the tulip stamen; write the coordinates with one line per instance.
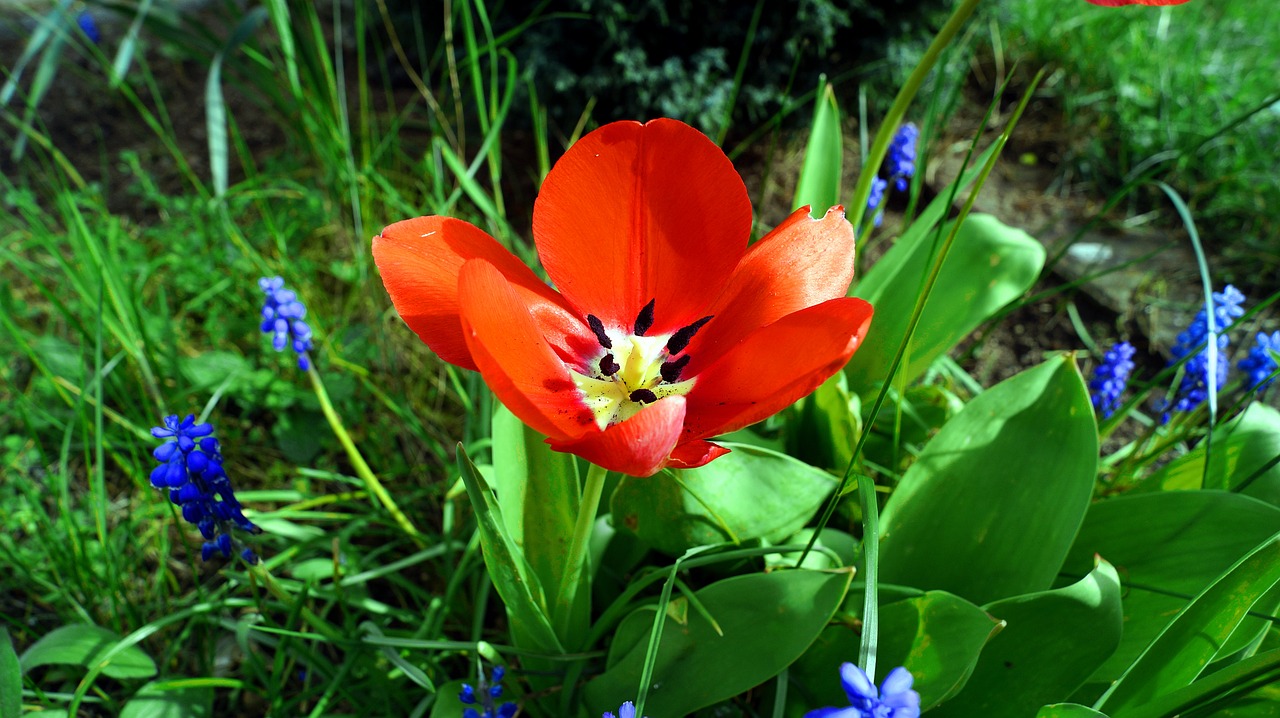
(597, 328)
(680, 340)
(644, 321)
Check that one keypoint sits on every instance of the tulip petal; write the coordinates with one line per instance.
(633, 213)
(692, 454)
(801, 263)
(774, 366)
(514, 358)
(638, 446)
(420, 260)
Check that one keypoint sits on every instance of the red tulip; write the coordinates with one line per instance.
(1118, 3)
(666, 330)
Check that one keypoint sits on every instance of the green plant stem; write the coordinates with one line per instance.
(259, 573)
(576, 559)
(366, 474)
(889, 126)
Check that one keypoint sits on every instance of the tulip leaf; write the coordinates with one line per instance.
(515, 579)
(1068, 710)
(750, 493)
(819, 183)
(539, 493)
(1197, 635)
(992, 504)
(1039, 656)
(828, 423)
(1244, 449)
(696, 666)
(937, 636)
(10, 679)
(990, 264)
(1186, 540)
(84, 644)
(170, 699)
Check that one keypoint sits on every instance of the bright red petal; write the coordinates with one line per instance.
(634, 213)
(1118, 3)
(774, 366)
(693, 454)
(420, 259)
(802, 262)
(516, 361)
(638, 446)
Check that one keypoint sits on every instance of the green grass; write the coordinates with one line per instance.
(1187, 94)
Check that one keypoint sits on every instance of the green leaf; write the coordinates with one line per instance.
(827, 425)
(1242, 447)
(992, 504)
(819, 182)
(1039, 656)
(1254, 677)
(989, 265)
(1068, 710)
(10, 679)
(1197, 635)
(768, 620)
(447, 704)
(1185, 540)
(216, 368)
(82, 645)
(215, 105)
(937, 636)
(170, 699)
(512, 576)
(748, 494)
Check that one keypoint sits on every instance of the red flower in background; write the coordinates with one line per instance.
(1118, 3)
(666, 329)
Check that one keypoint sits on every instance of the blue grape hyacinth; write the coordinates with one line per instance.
(1193, 390)
(1111, 377)
(89, 27)
(486, 696)
(283, 317)
(894, 699)
(628, 710)
(876, 198)
(191, 469)
(1260, 365)
(902, 155)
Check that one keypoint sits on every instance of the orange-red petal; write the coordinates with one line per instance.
(420, 259)
(801, 263)
(774, 366)
(692, 454)
(516, 361)
(633, 213)
(638, 446)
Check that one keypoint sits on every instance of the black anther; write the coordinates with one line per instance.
(681, 338)
(608, 366)
(644, 396)
(671, 370)
(644, 321)
(597, 328)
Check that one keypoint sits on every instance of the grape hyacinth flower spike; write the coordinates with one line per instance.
(876, 198)
(1111, 377)
(1260, 365)
(1193, 390)
(283, 317)
(628, 710)
(902, 155)
(485, 697)
(894, 699)
(191, 469)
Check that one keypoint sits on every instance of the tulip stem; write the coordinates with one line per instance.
(576, 559)
(366, 474)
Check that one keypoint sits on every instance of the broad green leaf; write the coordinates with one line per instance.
(1166, 545)
(819, 183)
(216, 368)
(81, 645)
(1196, 636)
(10, 679)
(1242, 447)
(766, 620)
(538, 490)
(1068, 710)
(937, 636)
(989, 265)
(447, 704)
(1039, 656)
(826, 426)
(515, 580)
(170, 699)
(748, 494)
(1255, 677)
(992, 504)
